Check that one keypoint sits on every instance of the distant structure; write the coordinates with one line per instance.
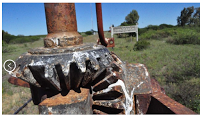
(93, 32)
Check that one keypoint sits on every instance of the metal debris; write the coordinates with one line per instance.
(18, 82)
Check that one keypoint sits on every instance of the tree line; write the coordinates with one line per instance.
(189, 16)
(9, 38)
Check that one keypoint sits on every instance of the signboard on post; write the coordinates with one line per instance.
(125, 29)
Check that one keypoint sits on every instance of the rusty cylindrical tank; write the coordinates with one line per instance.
(61, 25)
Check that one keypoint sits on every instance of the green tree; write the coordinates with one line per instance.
(88, 32)
(124, 24)
(6, 37)
(131, 19)
(196, 16)
(185, 17)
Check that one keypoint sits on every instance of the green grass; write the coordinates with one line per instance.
(176, 67)
(13, 96)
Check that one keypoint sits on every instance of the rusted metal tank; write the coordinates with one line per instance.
(69, 77)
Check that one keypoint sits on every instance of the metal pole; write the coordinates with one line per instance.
(100, 24)
(61, 25)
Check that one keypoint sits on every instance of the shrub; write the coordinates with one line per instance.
(119, 35)
(25, 45)
(142, 30)
(186, 65)
(185, 38)
(88, 32)
(24, 39)
(182, 79)
(6, 48)
(140, 45)
(153, 27)
(186, 93)
(162, 26)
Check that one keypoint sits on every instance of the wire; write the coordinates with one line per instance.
(16, 112)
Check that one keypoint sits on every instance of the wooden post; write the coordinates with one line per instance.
(131, 39)
(137, 32)
(111, 32)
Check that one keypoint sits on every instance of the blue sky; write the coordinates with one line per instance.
(29, 18)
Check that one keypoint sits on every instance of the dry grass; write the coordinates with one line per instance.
(90, 38)
(14, 97)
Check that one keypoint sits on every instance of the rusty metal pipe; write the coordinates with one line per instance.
(100, 24)
(60, 17)
(61, 25)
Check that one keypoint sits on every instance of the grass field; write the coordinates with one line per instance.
(174, 66)
(13, 96)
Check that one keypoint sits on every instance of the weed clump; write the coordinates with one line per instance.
(140, 45)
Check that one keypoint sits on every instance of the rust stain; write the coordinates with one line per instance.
(99, 112)
(174, 106)
(142, 103)
(49, 113)
(116, 58)
(61, 17)
(156, 86)
(109, 41)
(18, 82)
(61, 25)
(139, 78)
(70, 98)
(100, 24)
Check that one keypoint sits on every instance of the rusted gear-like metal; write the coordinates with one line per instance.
(52, 71)
(69, 77)
(117, 97)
